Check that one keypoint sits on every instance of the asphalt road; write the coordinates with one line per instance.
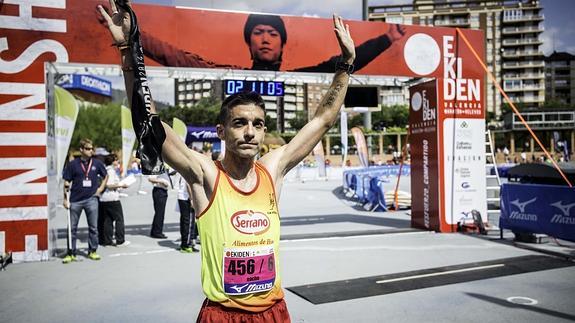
(327, 243)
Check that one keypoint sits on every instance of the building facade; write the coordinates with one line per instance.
(512, 44)
(189, 92)
(560, 78)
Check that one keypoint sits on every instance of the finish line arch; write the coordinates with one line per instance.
(68, 32)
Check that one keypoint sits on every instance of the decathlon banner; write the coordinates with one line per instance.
(361, 146)
(128, 138)
(180, 129)
(67, 109)
(320, 159)
(536, 208)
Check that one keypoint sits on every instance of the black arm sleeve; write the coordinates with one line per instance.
(169, 55)
(365, 53)
(147, 126)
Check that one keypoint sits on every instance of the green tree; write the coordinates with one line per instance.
(299, 120)
(506, 107)
(391, 116)
(101, 124)
(203, 113)
(555, 104)
(271, 124)
(355, 121)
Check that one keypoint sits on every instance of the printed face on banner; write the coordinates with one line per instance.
(265, 44)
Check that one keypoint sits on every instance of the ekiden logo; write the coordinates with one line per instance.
(521, 214)
(565, 217)
(250, 222)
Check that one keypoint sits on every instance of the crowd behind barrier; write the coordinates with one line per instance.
(366, 184)
(538, 208)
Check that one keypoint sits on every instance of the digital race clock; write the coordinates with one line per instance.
(268, 88)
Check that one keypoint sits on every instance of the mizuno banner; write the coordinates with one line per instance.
(536, 208)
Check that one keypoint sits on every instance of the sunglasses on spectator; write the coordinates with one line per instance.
(88, 148)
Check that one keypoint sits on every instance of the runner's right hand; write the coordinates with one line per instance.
(66, 204)
(118, 22)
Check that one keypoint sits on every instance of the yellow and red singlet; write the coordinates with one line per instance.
(240, 234)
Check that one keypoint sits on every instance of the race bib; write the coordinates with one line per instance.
(87, 183)
(248, 270)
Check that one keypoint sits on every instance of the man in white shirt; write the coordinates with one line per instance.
(111, 208)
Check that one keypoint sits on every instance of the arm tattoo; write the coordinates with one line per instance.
(332, 94)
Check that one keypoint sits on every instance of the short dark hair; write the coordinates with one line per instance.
(240, 98)
(109, 160)
(270, 20)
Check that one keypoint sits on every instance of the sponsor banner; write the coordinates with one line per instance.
(361, 146)
(320, 159)
(66, 115)
(180, 129)
(201, 134)
(463, 164)
(128, 138)
(535, 208)
(424, 156)
(461, 125)
(87, 83)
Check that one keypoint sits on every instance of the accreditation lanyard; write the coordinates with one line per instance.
(86, 182)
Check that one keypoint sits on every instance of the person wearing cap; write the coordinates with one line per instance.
(265, 36)
(85, 178)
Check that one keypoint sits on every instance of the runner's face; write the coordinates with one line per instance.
(244, 130)
(265, 44)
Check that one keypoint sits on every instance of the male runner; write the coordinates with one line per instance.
(236, 199)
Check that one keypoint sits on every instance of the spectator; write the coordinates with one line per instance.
(110, 207)
(160, 196)
(523, 157)
(83, 175)
(187, 217)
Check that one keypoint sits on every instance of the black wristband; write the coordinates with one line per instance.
(341, 66)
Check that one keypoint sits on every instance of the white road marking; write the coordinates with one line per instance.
(520, 300)
(138, 253)
(358, 236)
(438, 274)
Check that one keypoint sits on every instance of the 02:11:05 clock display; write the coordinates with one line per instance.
(268, 88)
